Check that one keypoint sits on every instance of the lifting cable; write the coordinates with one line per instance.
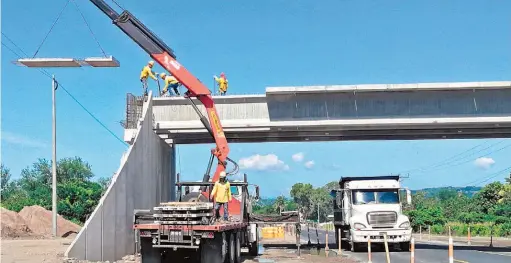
(118, 5)
(44, 72)
(88, 26)
(51, 28)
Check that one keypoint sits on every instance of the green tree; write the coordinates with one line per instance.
(280, 204)
(77, 193)
(302, 195)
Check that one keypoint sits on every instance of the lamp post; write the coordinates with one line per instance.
(61, 63)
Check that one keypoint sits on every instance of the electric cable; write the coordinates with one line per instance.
(491, 176)
(453, 158)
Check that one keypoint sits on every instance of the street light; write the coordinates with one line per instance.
(61, 63)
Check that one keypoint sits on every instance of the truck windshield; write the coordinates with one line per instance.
(361, 197)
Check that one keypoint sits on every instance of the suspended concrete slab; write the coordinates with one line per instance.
(48, 62)
(68, 62)
(102, 62)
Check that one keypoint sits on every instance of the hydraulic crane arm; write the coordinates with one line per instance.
(164, 55)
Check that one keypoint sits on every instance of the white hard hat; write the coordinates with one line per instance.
(222, 174)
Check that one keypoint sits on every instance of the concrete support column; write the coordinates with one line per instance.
(172, 172)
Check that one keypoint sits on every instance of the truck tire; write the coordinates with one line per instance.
(356, 247)
(231, 252)
(404, 246)
(148, 254)
(214, 250)
(237, 247)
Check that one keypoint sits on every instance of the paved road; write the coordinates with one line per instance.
(425, 252)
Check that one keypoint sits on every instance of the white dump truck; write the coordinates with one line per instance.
(370, 208)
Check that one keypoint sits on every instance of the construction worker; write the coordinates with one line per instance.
(147, 72)
(170, 81)
(222, 193)
(222, 82)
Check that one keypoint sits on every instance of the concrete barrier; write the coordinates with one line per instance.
(142, 181)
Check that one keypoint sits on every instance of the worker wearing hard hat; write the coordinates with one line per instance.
(222, 82)
(147, 72)
(170, 81)
(222, 193)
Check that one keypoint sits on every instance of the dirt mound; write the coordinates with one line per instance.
(13, 224)
(39, 220)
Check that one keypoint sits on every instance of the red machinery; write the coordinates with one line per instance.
(164, 55)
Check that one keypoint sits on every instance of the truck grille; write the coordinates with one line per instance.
(381, 218)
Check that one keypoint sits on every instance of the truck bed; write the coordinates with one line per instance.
(218, 227)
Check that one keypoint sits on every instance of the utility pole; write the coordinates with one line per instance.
(54, 157)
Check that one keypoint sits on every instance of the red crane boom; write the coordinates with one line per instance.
(164, 55)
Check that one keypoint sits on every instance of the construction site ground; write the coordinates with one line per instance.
(52, 251)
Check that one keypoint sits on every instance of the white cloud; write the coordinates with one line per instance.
(298, 157)
(21, 140)
(263, 163)
(484, 162)
(309, 164)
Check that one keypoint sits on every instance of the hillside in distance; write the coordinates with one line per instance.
(467, 190)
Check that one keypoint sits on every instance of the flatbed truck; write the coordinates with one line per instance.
(176, 230)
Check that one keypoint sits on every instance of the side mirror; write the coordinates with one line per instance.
(408, 196)
(257, 193)
(187, 190)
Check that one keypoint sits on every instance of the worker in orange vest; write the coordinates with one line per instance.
(147, 72)
(222, 193)
(222, 82)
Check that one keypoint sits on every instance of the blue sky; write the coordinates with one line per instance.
(258, 44)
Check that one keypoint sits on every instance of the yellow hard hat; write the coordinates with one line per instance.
(162, 75)
(151, 63)
(222, 174)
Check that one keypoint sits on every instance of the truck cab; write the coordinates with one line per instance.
(371, 208)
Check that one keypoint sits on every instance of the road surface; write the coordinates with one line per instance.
(425, 252)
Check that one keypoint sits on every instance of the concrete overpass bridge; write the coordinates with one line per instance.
(346, 112)
(353, 112)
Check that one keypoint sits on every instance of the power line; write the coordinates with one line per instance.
(44, 72)
(452, 164)
(443, 161)
(491, 176)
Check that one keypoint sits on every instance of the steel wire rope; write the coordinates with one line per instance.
(118, 5)
(88, 26)
(44, 72)
(51, 28)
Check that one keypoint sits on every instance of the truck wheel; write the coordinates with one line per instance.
(214, 250)
(148, 254)
(356, 247)
(405, 246)
(237, 247)
(232, 249)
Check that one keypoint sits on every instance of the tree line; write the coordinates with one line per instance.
(77, 191)
(487, 211)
